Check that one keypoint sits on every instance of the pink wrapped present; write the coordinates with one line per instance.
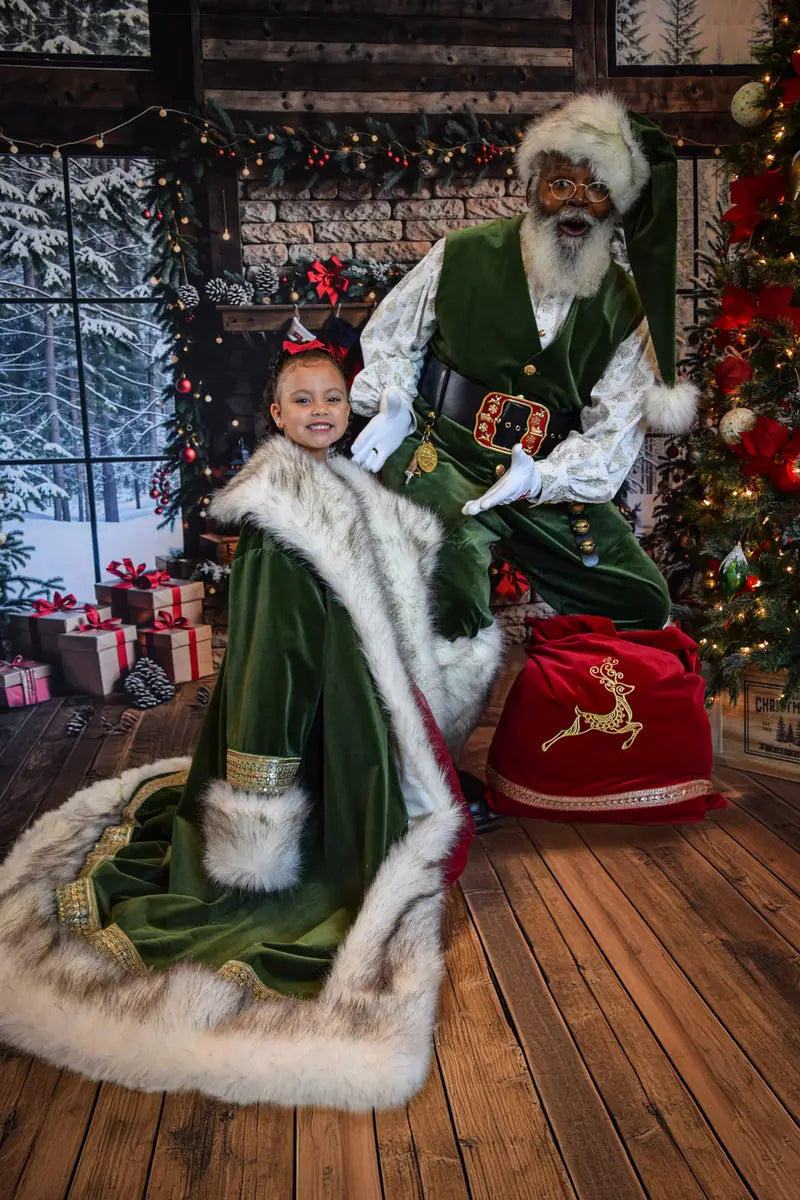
(23, 681)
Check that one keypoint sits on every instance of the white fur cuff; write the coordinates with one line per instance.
(252, 841)
(671, 409)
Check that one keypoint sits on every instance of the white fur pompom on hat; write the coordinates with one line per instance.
(593, 128)
(671, 410)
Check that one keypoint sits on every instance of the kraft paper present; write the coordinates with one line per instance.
(178, 597)
(37, 634)
(94, 660)
(184, 653)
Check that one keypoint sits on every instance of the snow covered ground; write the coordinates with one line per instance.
(65, 547)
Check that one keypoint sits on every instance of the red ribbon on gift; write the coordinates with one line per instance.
(126, 571)
(153, 579)
(165, 620)
(328, 278)
(59, 603)
(93, 621)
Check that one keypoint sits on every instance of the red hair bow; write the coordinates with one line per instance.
(338, 353)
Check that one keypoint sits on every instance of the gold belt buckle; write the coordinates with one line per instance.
(488, 418)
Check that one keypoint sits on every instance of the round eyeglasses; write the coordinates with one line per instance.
(565, 189)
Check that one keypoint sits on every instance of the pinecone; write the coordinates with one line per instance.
(79, 720)
(425, 167)
(148, 685)
(189, 295)
(217, 291)
(268, 279)
(239, 293)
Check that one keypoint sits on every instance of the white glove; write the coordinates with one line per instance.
(391, 424)
(522, 478)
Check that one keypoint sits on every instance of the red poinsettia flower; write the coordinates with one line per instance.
(740, 307)
(732, 371)
(790, 90)
(751, 194)
(771, 449)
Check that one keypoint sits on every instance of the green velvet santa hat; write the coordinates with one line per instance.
(631, 154)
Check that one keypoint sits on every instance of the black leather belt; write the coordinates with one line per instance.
(498, 420)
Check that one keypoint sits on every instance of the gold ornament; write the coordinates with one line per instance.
(427, 457)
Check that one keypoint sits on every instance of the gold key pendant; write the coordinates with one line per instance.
(412, 469)
(425, 457)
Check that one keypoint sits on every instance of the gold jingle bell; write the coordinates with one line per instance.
(575, 507)
(586, 546)
(581, 526)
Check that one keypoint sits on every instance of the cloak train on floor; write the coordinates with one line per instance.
(263, 922)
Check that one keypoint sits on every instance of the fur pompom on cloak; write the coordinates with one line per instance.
(81, 992)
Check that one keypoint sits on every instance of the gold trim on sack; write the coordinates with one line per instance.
(640, 798)
(619, 720)
(260, 773)
(243, 975)
(77, 907)
(113, 944)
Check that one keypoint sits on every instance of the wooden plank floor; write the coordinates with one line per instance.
(619, 1019)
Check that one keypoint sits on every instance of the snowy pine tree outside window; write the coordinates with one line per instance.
(686, 33)
(83, 364)
(107, 28)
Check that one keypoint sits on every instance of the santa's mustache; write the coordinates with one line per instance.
(572, 216)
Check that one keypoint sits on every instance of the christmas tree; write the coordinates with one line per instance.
(729, 532)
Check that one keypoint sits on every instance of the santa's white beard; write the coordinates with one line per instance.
(567, 266)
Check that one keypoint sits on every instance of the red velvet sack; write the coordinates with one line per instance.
(604, 726)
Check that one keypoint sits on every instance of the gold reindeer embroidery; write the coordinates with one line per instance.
(619, 720)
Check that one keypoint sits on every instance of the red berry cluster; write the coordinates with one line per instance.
(490, 150)
(317, 157)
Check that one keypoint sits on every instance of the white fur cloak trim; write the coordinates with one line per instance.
(376, 551)
(593, 127)
(363, 1042)
(671, 410)
(252, 841)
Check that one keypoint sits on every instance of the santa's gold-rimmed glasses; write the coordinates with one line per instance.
(595, 192)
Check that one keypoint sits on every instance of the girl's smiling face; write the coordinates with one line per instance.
(311, 404)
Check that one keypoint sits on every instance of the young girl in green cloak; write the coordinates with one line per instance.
(262, 922)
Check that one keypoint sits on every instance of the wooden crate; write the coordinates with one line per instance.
(755, 734)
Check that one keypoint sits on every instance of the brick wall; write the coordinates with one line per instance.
(352, 220)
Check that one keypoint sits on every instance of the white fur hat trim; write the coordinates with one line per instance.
(594, 128)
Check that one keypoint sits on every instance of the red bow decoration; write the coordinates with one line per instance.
(126, 571)
(509, 582)
(336, 352)
(153, 579)
(773, 303)
(750, 193)
(771, 449)
(14, 664)
(165, 620)
(59, 603)
(93, 621)
(790, 90)
(328, 278)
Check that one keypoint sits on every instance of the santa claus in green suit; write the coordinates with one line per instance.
(512, 374)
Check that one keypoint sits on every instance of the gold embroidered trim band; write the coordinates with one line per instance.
(243, 975)
(641, 798)
(77, 907)
(113, 944)
(259, 773)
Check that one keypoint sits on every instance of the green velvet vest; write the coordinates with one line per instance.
(487, 331)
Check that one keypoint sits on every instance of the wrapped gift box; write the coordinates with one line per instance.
(94, 658)
(221, 547)
(761, 732)
(176, 566)
(183, 651)
(128, 575)
(37, 633)
(177, 597)
(23, 681)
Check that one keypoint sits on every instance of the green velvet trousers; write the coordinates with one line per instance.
(625, 585)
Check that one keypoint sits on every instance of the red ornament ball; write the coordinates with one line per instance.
(188, 454)
(158, 510)
(183, 385)
(154, 493)
(752, 582)
(147, 214)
